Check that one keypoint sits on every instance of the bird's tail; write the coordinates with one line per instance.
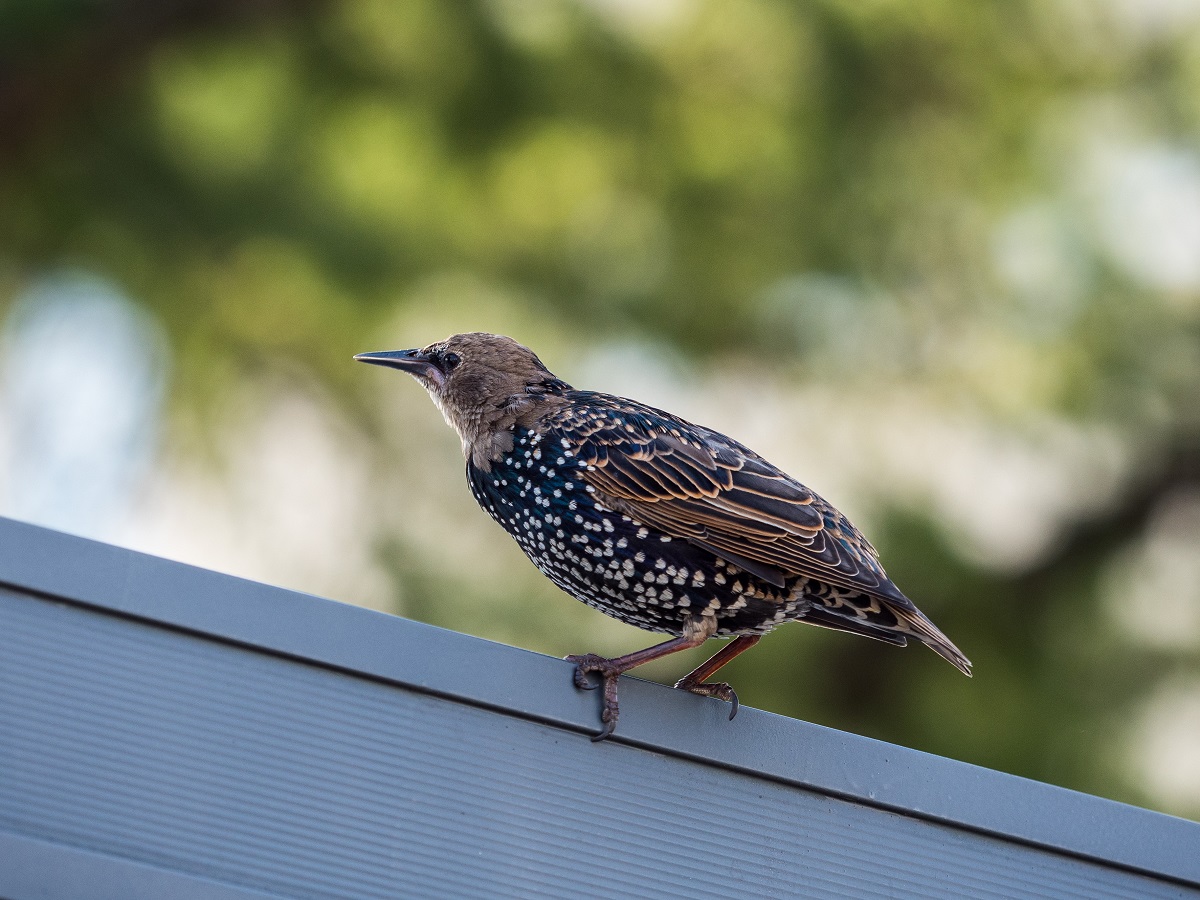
(913, 622)
(893, 618)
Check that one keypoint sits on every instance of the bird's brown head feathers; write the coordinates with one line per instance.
(484, 384)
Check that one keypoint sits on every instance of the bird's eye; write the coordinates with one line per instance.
(451, 359)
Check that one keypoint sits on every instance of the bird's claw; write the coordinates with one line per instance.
(587, 663)
(718, 689)
(609, 720)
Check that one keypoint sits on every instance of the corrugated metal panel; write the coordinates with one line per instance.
(32, 868)
(327, 769)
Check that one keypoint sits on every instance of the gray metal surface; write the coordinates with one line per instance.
(166, 731)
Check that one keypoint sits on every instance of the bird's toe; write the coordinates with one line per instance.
(588, 663)
(718, 689)
(608, 720)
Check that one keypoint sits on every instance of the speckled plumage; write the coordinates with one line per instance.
(661, 523)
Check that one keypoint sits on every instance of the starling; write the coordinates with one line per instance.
(666, 525)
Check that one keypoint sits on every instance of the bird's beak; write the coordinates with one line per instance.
(415, 362)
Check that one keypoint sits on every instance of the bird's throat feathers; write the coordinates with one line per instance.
(486, 429)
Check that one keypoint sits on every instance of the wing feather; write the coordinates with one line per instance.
(699, 485)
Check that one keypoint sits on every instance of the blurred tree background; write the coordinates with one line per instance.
(940, 260)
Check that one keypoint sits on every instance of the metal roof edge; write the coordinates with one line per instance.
(438, 661)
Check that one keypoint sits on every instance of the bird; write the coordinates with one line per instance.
(661, 523)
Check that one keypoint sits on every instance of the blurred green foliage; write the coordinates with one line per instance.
(991, 206)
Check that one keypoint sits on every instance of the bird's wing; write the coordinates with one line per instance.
(694, 483)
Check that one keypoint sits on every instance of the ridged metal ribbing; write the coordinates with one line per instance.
(226, 763)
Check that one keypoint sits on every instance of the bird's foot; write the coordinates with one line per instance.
(608, 671)
(586, 663)
(718, 689)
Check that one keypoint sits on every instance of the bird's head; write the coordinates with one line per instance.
(484, 384)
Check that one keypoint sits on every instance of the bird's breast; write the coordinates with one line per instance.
(611, 561)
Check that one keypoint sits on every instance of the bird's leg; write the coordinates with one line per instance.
(610, 669)
(696, 631)
(697, 681)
